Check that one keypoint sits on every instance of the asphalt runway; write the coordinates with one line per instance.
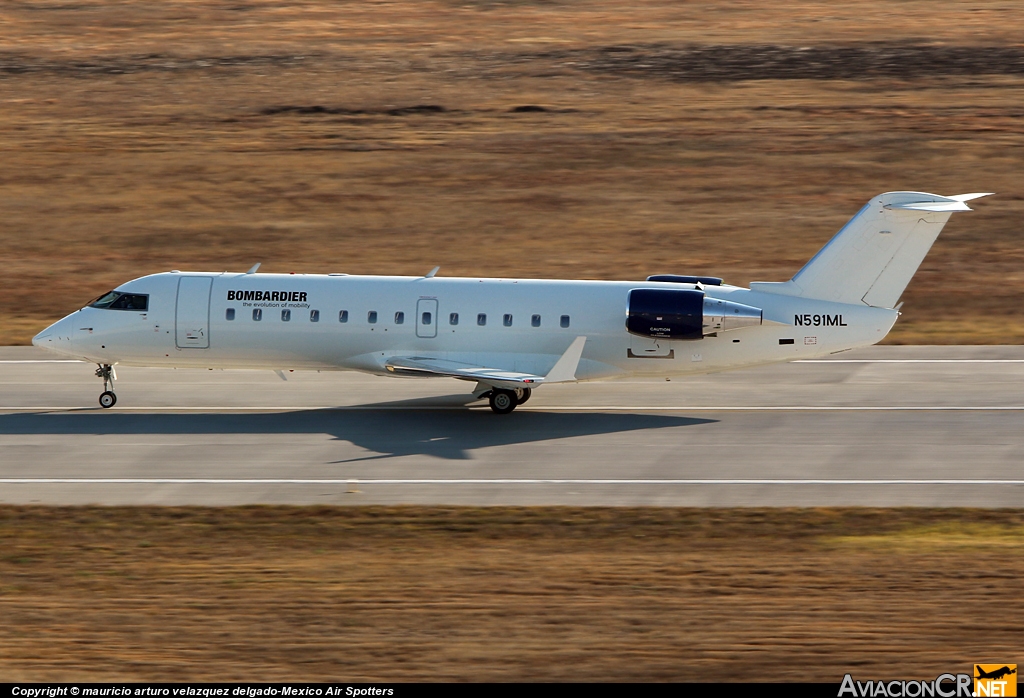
(885, 426)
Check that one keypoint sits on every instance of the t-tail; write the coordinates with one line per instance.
(872, 259)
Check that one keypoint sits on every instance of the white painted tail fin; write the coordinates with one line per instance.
(872, 259)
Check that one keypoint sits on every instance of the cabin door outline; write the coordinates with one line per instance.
(423, 329)
(192, 312)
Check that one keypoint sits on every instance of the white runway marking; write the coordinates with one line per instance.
(795, 361)
(541, 408)
(908, 361)
(42, 361)
(472, 481)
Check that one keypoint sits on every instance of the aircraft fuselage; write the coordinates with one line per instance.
(341, 322)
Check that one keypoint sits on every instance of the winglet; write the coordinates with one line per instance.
(254, 267)
(430, 274)
(564, 370)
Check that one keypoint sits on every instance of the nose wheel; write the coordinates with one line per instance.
(107, 374)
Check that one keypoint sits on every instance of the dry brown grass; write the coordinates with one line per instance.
(138, 137)
(408, 593)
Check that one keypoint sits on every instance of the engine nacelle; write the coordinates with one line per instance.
(684, 314)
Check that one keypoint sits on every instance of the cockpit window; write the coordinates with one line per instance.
(105, 300)
(115, 300)
(131, 301)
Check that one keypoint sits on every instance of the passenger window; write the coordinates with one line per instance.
(481, 319)
(371, 317)
(427, 318)
(342, 316)
(507, 320)
(535, 321)
(399, 318)
(286, 316)
(257, 314)
(229, 314)
(314, 316)
(453, 319)
(565, 321)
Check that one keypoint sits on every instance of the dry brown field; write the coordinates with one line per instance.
(538, 594)
(603, 139)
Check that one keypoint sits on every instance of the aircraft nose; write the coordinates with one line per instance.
(42, 339)
(55, 337)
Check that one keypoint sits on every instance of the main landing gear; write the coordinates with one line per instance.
(107, 397)
(504, 401)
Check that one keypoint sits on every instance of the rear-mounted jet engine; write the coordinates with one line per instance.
(684, 314)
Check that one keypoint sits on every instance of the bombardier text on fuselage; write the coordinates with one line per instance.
(278, 296)
(509, 336)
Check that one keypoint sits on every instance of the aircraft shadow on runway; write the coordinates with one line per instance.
(385, 433)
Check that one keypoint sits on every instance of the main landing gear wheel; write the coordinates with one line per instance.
(523, 394)
(502, 401)
(107, 397)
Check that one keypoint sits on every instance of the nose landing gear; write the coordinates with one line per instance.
(107, 373)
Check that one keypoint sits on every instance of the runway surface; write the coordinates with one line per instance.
(886, 426)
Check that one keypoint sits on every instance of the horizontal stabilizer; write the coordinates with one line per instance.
(931, 206)
(969, 197)
(938, 203)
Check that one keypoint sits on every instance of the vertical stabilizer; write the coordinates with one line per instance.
(872, 259)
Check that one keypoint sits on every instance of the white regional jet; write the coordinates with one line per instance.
(509, 336)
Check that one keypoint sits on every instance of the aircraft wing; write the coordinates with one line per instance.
(563, 371)
(422, 365)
